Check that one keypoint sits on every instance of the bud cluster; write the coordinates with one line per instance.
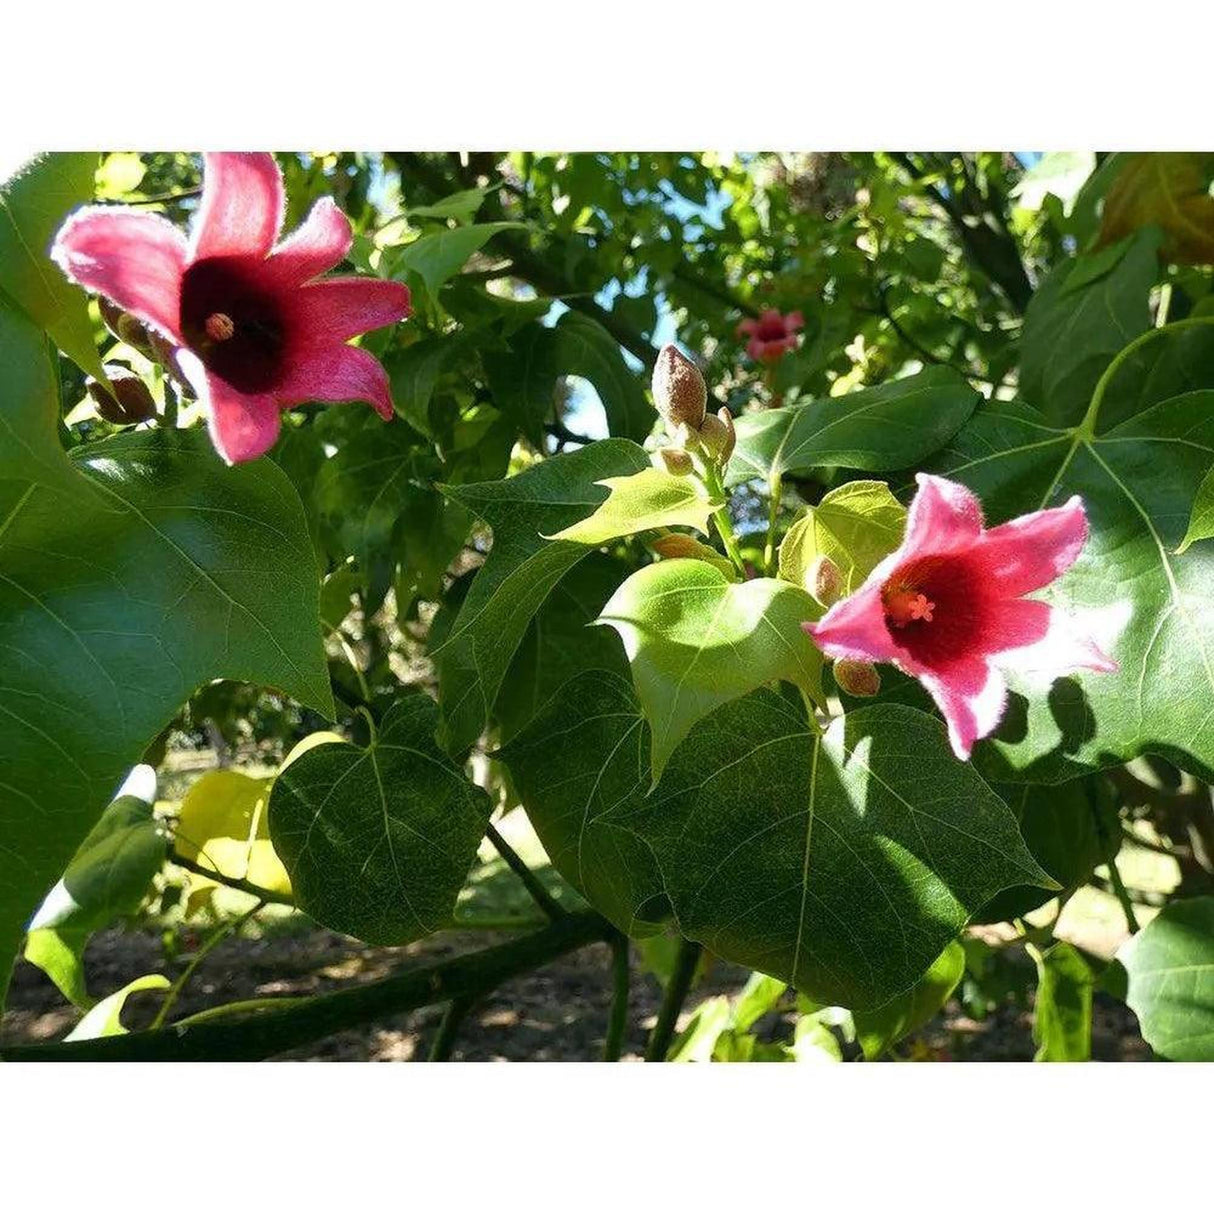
(681, 397)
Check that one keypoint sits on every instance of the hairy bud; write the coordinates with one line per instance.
(125, 327)
(679, 391)
(857, 678)
(824, 581)
(716, 438)
(128, 402)
(678, 463)
(727, 421)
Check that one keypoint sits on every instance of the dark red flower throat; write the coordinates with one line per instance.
(935, 608)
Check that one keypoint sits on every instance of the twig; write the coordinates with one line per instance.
(449, 1026)
(672, 1003)
(245, 887)
(617, 1021)
(535, 887)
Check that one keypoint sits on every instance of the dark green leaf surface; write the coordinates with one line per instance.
(1201, 522)
(841, 864)
(522, 567)
(1170, 964)
(436, 257)
(875, 430)
(128, 578)
(378, 842)
(33, 205)
(1150, 610)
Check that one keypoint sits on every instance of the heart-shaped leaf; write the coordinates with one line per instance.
(697, 640)
(875, 430)
(378, 842)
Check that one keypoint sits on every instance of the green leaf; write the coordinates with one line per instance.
(378, 842)
(1171, 189)
(879, 1029)
(1079, 318)
(60, 956)
(1062, 1020)
(1150, 611)
(644, 501)
(523, 379)
(105, 1019)
(415, 371)
(561, 643)
(759, 996)
(696, 640)
(436, 257)
(583, 755)
(842, 864)
(518, 574)
(460, 206)
(33, 205)
(129, 575)
(856, 525)
(875, 430)
(1170, 964)
(1201, 522)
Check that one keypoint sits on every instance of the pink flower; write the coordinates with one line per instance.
(256, 330)
(771, 336)
(950, 600)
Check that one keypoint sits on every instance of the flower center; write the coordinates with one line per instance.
(219, 326)
(903, 604)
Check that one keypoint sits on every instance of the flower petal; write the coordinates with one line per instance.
(1031, 551)
(242, 426)
(944, 517)
(134, 259)
(794, 321)
(317, 245)
(242, 205)
(1061, 647)
(337, 373)
(336, 309)
(855, 628)
(972, 696)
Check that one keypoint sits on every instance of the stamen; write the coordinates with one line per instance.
(219, 326)
(902, 605)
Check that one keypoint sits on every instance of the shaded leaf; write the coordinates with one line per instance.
(1171, 190)
(1201, 522)
(1062, 1020)
(438, 256)
(879, 1029)
(105, 1020)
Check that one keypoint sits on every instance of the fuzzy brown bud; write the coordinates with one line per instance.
(716, 437)
(678, 463)
(824, 582)
(857, 678)
(126, 400)
(727, 421)
(679, 390)
(125, 327)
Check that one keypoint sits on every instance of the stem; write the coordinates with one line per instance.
(1123, 896)
(1088, 425)
(287, 1024)
(222, 932)
(245, 887)
(776, 489)
(535, 887)
(720, 516)
(449, 1026)
(672, 1003)
(617, 1022)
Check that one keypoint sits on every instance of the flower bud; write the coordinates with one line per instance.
(679, 391)
(125, 327)
(126, 401)
(727, 421)
(857, 678)
(678, 463)
(716, 437)
(824, 581)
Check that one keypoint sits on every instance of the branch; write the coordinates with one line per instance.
(245, 887)
(274, 1030)
(617, 1021)
(535, 887)
(672, 1004)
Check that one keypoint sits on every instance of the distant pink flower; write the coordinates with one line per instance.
(255, 327)
(771, 336)
(949, 600)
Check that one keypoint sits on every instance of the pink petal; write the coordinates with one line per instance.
(336, 309)
(1062, 647)
(334, 373)
(972, 696)
(944, 517)
(1031, 551)
(242, 205)
(794, 321)
(747, 327)
(134, 259)
(317, 245)
(855, 627)
(242, 426)
(755, 348)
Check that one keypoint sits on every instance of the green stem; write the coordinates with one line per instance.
(1123, 896)
(715, 489)
(245, 887)
(617, 1022)
(282, 1024)
(449, 1026)
(221, 933)
(535, 887)
(776, 489)
(1088, 425)
(672, 1003)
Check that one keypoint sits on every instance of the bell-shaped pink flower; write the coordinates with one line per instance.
(255, 327)
(771, 336)
(948, 608)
